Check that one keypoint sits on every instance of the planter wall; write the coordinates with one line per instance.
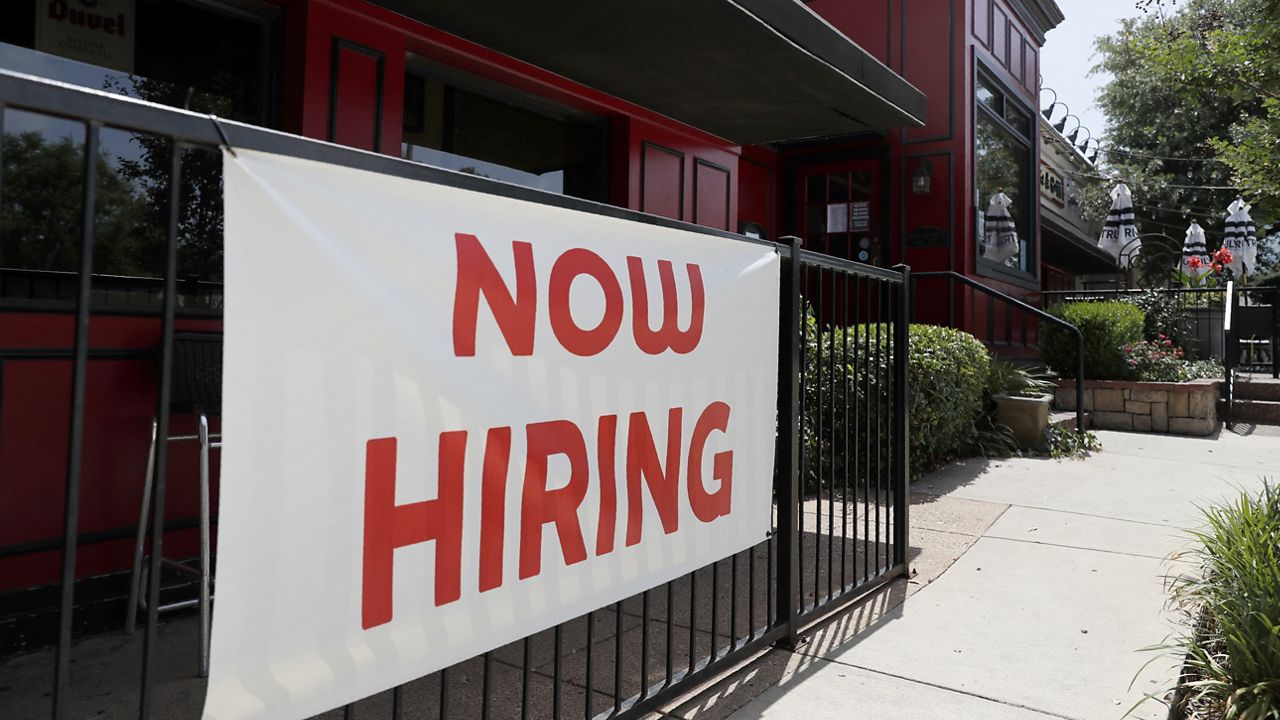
(1189, 408)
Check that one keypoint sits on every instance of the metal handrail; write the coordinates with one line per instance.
(1037, 312)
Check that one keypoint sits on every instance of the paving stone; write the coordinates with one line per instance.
(1160, 417)
(1108, 399)
(1154, 396)
(1111, 420)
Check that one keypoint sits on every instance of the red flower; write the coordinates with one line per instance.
(1195, 263)
(1217, 267)
(1223, 256)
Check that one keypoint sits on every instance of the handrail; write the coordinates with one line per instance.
(1011, 300)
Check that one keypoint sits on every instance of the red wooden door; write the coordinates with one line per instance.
(838, 208)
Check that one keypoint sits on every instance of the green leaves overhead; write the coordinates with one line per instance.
(1192, 106)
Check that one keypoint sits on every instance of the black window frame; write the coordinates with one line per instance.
(1030, 278)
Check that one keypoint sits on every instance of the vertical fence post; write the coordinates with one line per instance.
(164, 376)
(788, 460)
(1080, 429)
(75, 432)
(1275, 332)
(902, 417)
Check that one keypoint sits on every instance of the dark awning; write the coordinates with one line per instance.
(1066, 247)
(750, 71)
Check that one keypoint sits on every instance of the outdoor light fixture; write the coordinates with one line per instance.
(1061, 125)
(922, 178)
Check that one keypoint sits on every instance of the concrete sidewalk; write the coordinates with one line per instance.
(1055, 581)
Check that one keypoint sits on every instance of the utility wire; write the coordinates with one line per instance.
(1148, 156)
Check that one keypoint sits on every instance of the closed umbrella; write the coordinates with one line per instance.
(1119, 234)
(1195, 256)
(1001, 237)
(1241, 238)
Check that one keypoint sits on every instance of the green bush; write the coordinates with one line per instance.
(1164, 318)
(1233, 599)
(1107, 328)
(852, 368)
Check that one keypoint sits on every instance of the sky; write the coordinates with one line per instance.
(1068, 57)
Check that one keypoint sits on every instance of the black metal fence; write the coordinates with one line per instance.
(840, 479)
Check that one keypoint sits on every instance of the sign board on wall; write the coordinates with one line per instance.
(1052, 188)
(98, 32)
(455, 419)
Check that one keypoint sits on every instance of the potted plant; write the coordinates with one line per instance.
(1022, 402)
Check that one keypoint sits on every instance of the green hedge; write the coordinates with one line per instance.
(1107, 328)
(852, 368)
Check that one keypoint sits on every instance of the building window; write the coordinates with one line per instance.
(1003, 159)
(466, 124)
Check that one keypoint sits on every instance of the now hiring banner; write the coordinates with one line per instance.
(454, 419)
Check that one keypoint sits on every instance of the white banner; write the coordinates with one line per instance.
(454, 419)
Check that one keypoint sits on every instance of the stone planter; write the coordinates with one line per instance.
(1189, 408)
(1027, 417)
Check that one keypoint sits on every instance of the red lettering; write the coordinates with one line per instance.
(493, 506)
(388, 526)
(58, 10)
(606, 441)
(540, 506)
(669, 335)
(642, 459)
(709, 506)
(477, 275)
(575, 339)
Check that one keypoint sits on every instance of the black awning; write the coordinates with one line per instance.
(1065, 247)
(750, 71)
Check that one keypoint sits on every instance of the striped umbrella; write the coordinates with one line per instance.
(1241, 238)
(1195, 256)
(1001, 236)
(1120, 235)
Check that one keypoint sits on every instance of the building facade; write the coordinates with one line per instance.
(875, 131)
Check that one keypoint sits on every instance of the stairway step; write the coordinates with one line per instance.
(1260, 412)
(1066, 419)
(1257, 387)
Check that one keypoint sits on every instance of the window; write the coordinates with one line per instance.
(212, 56)
(463, 123)
(1003, 157)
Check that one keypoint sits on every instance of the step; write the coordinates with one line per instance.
(1254, 386)
(1066, 419)
(1259, 412)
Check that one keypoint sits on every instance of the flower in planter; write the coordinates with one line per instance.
(1156, 360)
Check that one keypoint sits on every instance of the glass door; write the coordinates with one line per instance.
(839, 210)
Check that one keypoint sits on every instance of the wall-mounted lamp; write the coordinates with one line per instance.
(922, 178)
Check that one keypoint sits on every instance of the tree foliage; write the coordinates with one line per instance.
(1197, 81)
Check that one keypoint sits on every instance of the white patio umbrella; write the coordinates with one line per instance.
(1241, 238)
(1000, 240)
(1194, 247)
(1119, 234)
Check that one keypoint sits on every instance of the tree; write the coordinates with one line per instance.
(42, 211)
(1233, 44)
(1196, 81)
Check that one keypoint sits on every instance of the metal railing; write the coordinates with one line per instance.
(840, 477)
(1000, 331)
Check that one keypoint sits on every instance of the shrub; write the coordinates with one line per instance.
(1107, 328)
(1165, 318)
(1156, 361)
(1234, 599)
(852, 369)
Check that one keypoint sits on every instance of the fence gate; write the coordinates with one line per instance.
(91, 299)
